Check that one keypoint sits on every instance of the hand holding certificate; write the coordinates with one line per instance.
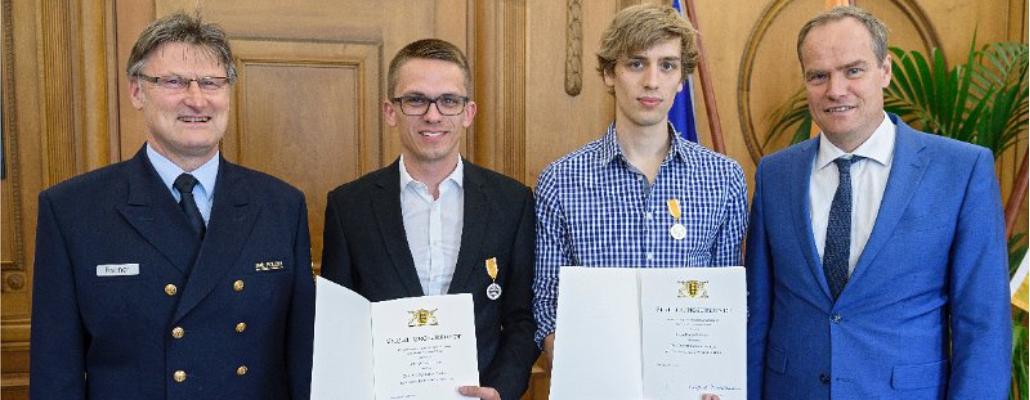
(412, 348)
(665, 333)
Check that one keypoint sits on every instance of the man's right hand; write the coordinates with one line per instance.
(549, 350)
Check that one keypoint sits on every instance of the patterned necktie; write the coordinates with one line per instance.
(184, 184)
(837, 251)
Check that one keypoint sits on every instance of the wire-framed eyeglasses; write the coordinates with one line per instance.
(178, 83)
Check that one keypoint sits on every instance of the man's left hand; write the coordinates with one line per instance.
(485, 393)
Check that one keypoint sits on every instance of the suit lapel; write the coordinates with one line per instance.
(473, 229)
(907, 170)
(232, 219)
(151, 210)
(386, 204)
(800, 177)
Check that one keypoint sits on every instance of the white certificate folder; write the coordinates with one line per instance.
(657, 334)
(413, 348)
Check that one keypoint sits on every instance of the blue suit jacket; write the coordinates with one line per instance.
(109, 337)
(933, 276)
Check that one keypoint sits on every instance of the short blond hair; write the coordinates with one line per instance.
(640, 27)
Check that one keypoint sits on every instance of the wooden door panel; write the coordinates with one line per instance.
(306, 113)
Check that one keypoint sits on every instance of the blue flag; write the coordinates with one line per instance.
(682, 112)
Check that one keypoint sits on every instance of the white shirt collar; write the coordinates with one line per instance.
(457, 176)
(206, 175)
(879, 147)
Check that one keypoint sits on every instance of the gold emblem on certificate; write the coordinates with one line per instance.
(422, 317)
(693, 289)
(677, 230)
(493, 292)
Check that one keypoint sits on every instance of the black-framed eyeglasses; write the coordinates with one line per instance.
(417, 105)
(178, 83)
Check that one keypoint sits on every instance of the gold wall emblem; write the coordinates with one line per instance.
(422, 317)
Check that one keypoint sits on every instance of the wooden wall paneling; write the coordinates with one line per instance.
(94, 89)
(55, 73)
(13, 270)
(308, 112)
(555, 122)
(500, 87)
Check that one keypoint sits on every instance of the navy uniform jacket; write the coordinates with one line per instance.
(367, 251)
(239, 326)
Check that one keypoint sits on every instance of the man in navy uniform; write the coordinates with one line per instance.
(175, 274)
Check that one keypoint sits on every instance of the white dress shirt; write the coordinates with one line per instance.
(206, 175)
(868, 182)
(433, 227)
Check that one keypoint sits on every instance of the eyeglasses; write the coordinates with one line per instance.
(178, 83)
(416, 105)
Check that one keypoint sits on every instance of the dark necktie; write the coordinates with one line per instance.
(184, 184)
(837, 251)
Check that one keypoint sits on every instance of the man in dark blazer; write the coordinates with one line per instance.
(883, 276)
(138, 297)
(433, 223)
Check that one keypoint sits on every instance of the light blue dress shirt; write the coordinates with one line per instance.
(203, 192)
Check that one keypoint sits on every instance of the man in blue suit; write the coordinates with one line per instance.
(175, 274)
(876, 256)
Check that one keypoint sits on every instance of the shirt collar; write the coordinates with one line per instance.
(457, 176)
(879, 147)
(610, 149)
(206, 175)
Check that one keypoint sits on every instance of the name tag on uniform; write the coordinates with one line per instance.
(268, 266)
(117, 269)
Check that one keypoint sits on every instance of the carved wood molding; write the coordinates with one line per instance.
(13, 268)
(574, 48)
(909, 8)
(514, 132)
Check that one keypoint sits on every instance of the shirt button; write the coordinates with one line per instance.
(648, 215)
(836, 318)
(825, 379)
(171, 289)
(650, 256)
(238, 285)
(179, 376)
(242, 370)
(240, 327)
(178, 332)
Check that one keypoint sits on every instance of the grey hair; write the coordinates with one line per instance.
(181, 28)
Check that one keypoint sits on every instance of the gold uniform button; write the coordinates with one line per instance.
(171, 289)
(178, 332)
(179, 376)
(242, 370)
(238, 285)
(240, 327)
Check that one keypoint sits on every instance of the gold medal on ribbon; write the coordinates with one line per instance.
(493, 292)
(677, 230)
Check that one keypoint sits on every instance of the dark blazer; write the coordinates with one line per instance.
(925, 314)
(246, 330)
(366, 250)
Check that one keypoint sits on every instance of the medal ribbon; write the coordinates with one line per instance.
(491, 268)
(674, 209)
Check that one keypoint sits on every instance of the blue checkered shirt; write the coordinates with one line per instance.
(594, 209)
